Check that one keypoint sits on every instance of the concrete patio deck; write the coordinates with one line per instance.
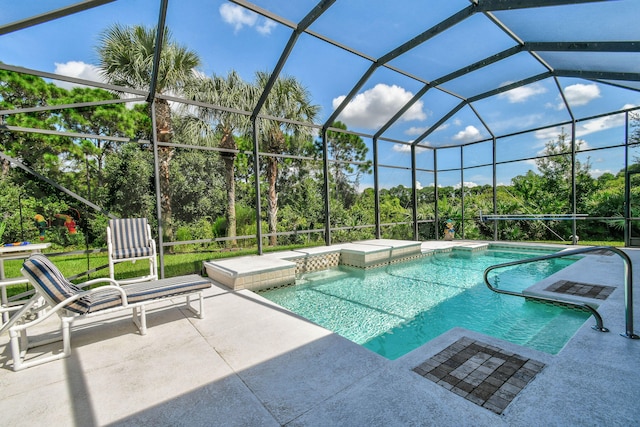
(252, 363)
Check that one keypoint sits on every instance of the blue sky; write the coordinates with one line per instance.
(227, 36)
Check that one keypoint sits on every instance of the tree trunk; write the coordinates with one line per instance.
(229, 142)
(231, 198)
(272, 213)
(165, 154)
(6, 167)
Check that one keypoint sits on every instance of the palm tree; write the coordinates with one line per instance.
(126, 58)
(288, 99)
(230, 92)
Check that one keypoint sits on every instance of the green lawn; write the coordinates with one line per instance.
(174, 265)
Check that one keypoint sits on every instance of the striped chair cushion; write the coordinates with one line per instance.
(51, 281)
(103, 299)
(130, 238)
(145, 291)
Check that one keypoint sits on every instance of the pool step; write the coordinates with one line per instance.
(331, 274)
(519, 331)
(554, 331)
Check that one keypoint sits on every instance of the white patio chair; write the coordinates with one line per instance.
(129, 239)
(70, 302)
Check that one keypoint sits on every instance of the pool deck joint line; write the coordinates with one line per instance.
(483, 374)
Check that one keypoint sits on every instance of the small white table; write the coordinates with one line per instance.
(15, 252)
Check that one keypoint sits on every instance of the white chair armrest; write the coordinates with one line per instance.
(115, 287)
(98, 280)
(61, 305)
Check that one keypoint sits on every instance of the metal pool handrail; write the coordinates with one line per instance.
(628, 283)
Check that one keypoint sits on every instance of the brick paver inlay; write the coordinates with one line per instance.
(568, 287)
(486, 375)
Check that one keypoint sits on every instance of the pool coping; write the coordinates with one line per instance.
(573, 273)
(275, 269)
(259, 272)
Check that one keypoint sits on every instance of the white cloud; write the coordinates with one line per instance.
(266, 27)
(517, 123)
(402, 148)
(467, 184)
(469, 134)
(237, 16)
(405, 148)
(416, 130)
(595, 173)
(582, 145)
(79, 70)
(584, 128)
(523, 93)
(581, 94)
(240, 17)
(548, 134)
(601, 123)
(374, 107)
(363, 187)
(551, 134)
(418, 185)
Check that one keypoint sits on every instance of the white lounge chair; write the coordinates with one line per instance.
(130, 239)
(70, 302)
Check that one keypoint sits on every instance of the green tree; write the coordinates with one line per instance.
(556, 171)
(197, 187)
(288, 100)
(348, 153)
(550, 191)
(361, 213)
(126, 56)
(303, 201)
(635, 127)
(230, 92)
(114, 120)
(129, 177)
(38, 151)
(606, 201)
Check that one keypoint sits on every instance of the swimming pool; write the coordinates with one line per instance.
(395, 309)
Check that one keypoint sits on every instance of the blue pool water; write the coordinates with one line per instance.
(395, 309)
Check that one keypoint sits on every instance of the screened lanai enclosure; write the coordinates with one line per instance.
(275, 123)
